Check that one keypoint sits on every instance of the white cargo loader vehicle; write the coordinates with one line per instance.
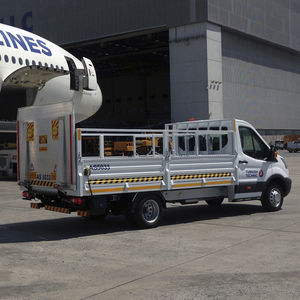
(137, 172)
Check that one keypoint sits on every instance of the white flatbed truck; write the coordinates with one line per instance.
(95, 172)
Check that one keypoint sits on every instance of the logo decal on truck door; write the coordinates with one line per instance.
(251, 173)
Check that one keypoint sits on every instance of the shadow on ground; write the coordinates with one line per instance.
(72, 227)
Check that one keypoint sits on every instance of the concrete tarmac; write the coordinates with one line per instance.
(237, 251)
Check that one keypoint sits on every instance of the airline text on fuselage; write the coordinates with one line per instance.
(17, 41)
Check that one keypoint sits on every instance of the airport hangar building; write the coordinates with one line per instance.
(172, 60)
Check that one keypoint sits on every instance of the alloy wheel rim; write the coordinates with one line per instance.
(275, 197)
(150, 211)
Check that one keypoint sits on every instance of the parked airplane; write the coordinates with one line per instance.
(29, 61)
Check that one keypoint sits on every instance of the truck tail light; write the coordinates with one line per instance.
(76, 200)
(27, 195)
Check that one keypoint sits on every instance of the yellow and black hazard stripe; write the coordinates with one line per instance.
(58, 209)
(124, 180)
(82, 213)
(43, 183)
(36, 205)
(200, 176)
(159, 178)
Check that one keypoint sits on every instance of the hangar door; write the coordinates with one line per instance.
(134, 77)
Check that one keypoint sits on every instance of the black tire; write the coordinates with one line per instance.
(272, 199)
(215, 202)
(148, 211)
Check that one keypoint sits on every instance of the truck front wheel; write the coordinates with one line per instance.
(273, 198)
(148, 211)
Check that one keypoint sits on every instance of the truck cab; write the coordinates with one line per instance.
(262, 173)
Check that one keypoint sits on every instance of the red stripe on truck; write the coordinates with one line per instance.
(71, 149)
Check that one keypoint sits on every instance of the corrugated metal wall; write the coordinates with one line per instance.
(261, 83)
(277, 21)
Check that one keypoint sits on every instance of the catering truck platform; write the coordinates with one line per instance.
(136, 172)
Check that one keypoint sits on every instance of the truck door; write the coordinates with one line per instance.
(253, 169)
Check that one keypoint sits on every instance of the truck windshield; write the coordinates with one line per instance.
(252, 145)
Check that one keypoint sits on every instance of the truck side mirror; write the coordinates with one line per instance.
(272, 154)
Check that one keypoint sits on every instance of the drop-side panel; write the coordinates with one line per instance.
(201, 171)
(119, 175)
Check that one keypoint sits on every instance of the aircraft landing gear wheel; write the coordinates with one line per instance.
(273, 198)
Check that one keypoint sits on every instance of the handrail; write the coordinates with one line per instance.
(151, 132)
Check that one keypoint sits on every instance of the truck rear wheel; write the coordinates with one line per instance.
(148, 212)
(273, 198)
(215, 202)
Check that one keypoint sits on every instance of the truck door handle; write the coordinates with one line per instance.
(243, 161)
